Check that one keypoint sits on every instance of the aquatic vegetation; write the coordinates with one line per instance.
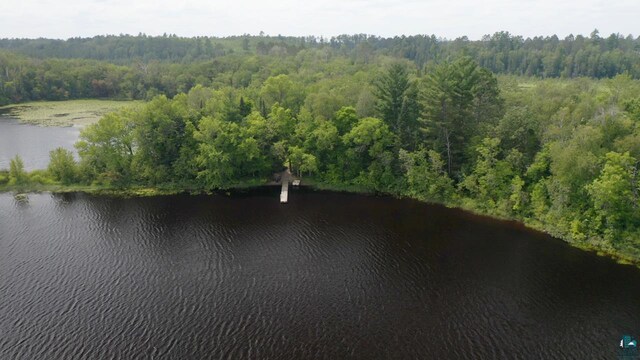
(64, 113)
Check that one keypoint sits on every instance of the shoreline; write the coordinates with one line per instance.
(146, 191)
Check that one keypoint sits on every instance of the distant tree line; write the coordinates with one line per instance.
(139, 67)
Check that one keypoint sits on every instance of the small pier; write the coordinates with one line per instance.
(284, 192)
(286, 178)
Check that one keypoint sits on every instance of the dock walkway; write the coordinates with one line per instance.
(286, 177)
(284, 192)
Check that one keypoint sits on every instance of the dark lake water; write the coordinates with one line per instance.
(327, 276)
(32, 143)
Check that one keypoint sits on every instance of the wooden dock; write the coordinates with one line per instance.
(284, 192)
(286, 178)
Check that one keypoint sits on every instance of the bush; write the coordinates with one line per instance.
(40, 177)
(62, 166)
(17, 175)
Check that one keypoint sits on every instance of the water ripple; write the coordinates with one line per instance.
(327, 276)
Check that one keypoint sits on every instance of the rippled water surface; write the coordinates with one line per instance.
(32, 143)
(326, 276)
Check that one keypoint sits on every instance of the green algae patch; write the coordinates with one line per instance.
(64, 113)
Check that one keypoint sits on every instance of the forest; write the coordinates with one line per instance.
(140, 67)
(543, 131)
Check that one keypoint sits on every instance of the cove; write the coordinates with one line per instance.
(33, 143)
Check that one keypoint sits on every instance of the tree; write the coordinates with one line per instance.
(106, 149)
(397, 102)
(17, 174)
(518, 129)
(426, 176)
(301, 162)
(458, 99)
(282, 121)
(368, 156)
(574, 162)
(159, 132)
(615, 193)
(197, 98)
(62, 166)
(491, 184)
(217, 158)
(244, 107)
(185, 168)
(282, 90)
(345, 119)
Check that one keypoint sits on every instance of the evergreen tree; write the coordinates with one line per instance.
(459, 100)
(397, 103)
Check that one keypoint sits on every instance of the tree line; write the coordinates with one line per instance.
(140, 67)
(558, 154)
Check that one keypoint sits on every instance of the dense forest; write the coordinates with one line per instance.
(451, 122)
(140, 67)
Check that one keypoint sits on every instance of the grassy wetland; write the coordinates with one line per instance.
(63, 113)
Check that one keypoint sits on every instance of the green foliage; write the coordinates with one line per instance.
(282, 120)
(17, 174)
(632, 107)
(518, 197)
(574, 162)
(368, 155)
(615, 195)
(426, 176)
(397, 103)
(302, 162)
(345, 119)
(518, 130)
(64, 113)
(106, 149)
(141, 67)
(560, 154)
(218, 142)
(39, 177)
(159, 130)
(62, 166)
(282, 90)
(459, 101)
(493, 185)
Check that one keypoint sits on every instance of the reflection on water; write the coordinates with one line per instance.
(326, 276)
(32, 143)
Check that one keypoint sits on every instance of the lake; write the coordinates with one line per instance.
(33, 143)
(326, 276)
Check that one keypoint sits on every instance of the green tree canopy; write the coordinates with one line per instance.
(62, 166)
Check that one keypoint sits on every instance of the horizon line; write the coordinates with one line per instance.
(326, 37)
